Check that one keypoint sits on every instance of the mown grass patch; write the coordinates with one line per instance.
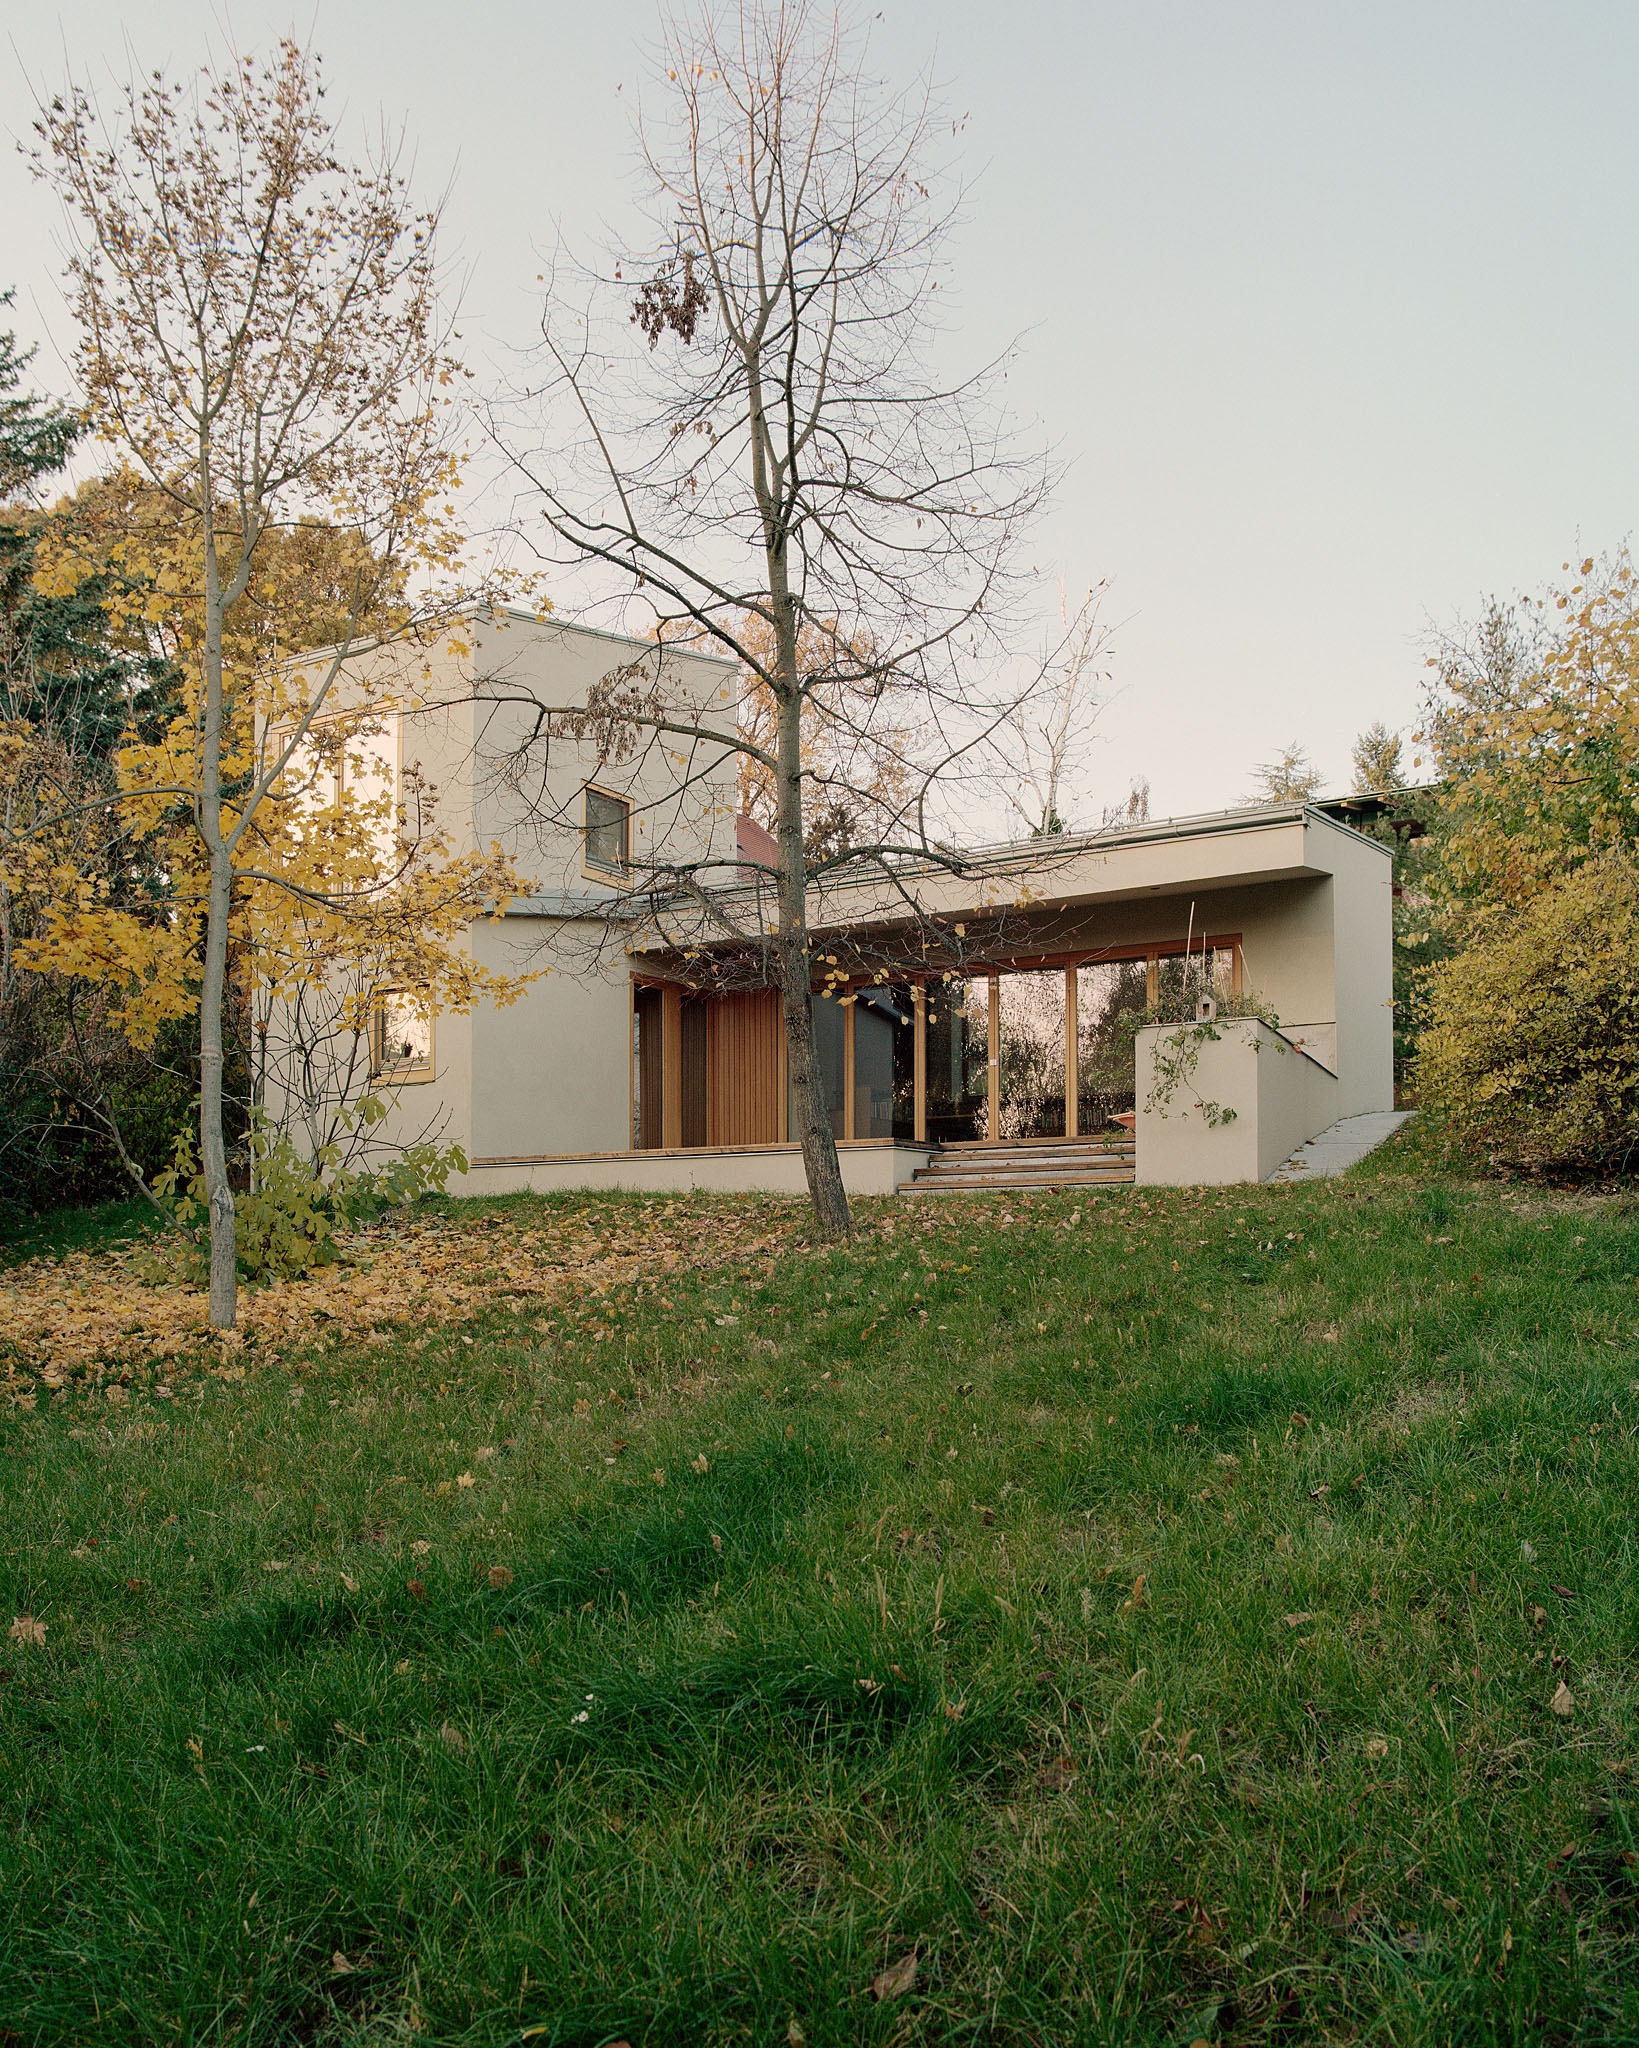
(1146, 1610)
(55, 1231)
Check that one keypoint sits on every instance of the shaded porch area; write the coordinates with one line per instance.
(1014, 1053)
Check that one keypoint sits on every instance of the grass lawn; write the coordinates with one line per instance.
(64, 1230)
(1139, 1618)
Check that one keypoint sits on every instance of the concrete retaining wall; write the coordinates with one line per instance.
(867, 1169)
(1279, 1097)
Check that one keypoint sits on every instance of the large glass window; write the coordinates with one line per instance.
(904, 999)
(1111, 999)
(1030, 1054)
(884, 1056)
(958, 1043)
(830, 1061)
(647, 1131)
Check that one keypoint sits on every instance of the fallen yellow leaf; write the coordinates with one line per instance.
(896, 1979)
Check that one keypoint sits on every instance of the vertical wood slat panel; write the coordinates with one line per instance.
(694, 1065)
(782, 1072)
(746, 1071)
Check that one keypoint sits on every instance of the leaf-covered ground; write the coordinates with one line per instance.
(1146, 1618)
(117, 1316)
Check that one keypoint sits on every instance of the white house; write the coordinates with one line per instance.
(986, 1016)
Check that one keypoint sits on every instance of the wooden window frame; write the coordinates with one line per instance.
(590, 871)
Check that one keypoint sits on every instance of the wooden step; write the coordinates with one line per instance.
(973, 1167)
(977, 1180)
(998, 1184)
(966, 1147)
(1029, 1169)
(1093, 1160)
(1003, 1164)
(1008, 1187)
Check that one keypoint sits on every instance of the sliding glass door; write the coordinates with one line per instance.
(1111, 999)
(958, 1059)
(1030, 1062)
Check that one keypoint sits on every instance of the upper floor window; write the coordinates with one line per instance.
(607, 834)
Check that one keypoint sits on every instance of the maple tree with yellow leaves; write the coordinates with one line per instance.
(262, 344)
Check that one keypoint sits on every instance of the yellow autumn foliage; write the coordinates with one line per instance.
(1534, 721)
(341, 878)
(1531, 1050)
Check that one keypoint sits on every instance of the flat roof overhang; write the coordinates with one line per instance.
(1023, 885)
(1179, 858)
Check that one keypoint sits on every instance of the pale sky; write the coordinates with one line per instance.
(1331, 308)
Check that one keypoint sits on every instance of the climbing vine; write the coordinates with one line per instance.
(1178, 1053)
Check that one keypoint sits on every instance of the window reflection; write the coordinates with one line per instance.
(1111, 999)
(1030, 1054)
(958, 1053)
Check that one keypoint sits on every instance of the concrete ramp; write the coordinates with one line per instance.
(1341, 1144)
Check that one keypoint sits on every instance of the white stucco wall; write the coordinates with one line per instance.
(551, 1071)
(1279, 1097)
(548, 1073)
(682, 792)
(464, 703)
(1363, 951)
(439, 1108)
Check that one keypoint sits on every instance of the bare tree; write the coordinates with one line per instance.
(1041, 752)
(261, 341)
(766, 438)
(1133, 809)
(856, 783)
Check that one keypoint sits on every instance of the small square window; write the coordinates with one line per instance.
(401, 1038)
(608, 832)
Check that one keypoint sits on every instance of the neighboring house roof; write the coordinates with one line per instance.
(757, 844)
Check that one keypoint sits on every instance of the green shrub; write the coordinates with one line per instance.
(296, 1207)
(1531, 1048)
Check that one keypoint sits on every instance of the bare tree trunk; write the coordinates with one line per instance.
(819, 1145)
(213, 1154)
(801, 438)
(213, 1151)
